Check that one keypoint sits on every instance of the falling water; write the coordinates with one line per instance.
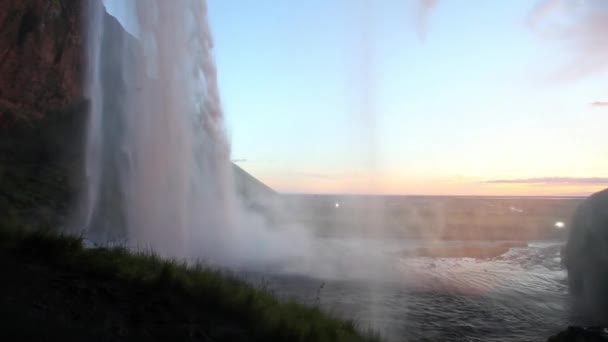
(159, 177)
(158, 162)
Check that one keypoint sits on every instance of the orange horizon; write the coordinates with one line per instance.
(429, 188)
(393, 182)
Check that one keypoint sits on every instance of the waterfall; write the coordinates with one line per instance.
(158, 168)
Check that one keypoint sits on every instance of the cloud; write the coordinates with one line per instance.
(599, 104)
(581, 28)
(553, 181)
(242, 160)
(541, 10)
(425, 9)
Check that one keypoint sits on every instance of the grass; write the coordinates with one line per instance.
(257, 311)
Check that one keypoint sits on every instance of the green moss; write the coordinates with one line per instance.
(40, 163)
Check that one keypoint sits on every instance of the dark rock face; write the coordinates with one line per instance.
(41, 57)
(42, 110)
(586, 257)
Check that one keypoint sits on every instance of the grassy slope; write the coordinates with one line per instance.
(53, 287)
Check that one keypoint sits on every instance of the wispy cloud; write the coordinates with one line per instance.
(541, 10)
(581, 27)
(424, 12)
(599, 104)
(241, 160)
(553, 181)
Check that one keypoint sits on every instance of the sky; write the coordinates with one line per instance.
(424, 97)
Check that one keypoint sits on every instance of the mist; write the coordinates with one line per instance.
(169, 176)
(160, 178)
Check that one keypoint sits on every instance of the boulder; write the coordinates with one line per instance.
(586, 258)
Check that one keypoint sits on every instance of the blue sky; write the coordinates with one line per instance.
(356, 96)
(346, 96)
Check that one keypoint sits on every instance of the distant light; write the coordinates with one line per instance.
(337, 205)
(560, 225)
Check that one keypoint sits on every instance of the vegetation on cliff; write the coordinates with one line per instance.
(40, 163)
(42, 112)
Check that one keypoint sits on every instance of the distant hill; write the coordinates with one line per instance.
(249, 186)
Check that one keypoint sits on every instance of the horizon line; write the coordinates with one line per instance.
(428, 195)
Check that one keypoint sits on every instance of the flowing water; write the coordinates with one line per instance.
(518, 296)
(158, 170)
(492, 270)
(158, 167)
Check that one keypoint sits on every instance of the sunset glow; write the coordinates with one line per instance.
(463, 99)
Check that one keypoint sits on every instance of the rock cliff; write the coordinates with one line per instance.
(41, 59)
